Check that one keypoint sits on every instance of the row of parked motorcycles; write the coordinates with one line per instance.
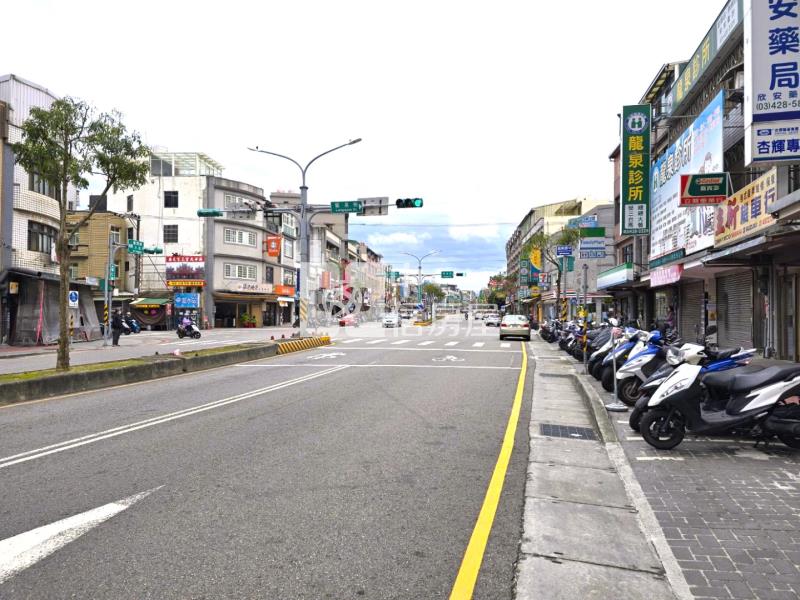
(676, 387)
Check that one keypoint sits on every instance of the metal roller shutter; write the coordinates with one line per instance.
(690, 317)
(735, 310)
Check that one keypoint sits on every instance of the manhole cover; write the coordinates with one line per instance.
(567, 431)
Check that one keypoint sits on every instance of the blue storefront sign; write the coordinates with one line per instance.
(187, 300)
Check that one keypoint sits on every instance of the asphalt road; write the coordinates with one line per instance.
(353, 471)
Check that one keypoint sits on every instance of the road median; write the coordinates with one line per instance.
(35, 385)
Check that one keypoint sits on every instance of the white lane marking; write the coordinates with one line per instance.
(448, 358)
(110, 433)
(505, 345)
(201, 341)
(478, 344)
(415, 349)
(352, 341)
(21, 551)
(428, 343)
(324, 356)
(273, 365)
(636, 438)
(452, 343)
(659, 458)
(398, 342)
(376, 342)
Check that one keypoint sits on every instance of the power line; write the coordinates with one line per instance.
(415, 225)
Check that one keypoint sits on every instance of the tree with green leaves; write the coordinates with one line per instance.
(546, 244)
(432, 290)
(63, 145)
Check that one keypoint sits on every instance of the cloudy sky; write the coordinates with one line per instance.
(483, 109)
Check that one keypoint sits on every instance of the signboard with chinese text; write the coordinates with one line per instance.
(284, 290)
(524, 272)
(772, 85)
(590, 221)
(747, 211)
(701, 190)
(187, 300)
(665, 275)
(273, 245)
(635, 170)
(563, 250)
(185, 271)
(252, 288)
(697, 150)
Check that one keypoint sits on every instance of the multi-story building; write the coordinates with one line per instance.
(29, 223)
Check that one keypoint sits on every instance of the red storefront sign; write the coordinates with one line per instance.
(665, 275)
(284, 290)
(272, 245)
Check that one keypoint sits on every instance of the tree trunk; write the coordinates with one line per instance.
(62, 251)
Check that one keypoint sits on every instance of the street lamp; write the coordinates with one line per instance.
(419, 270)
(304, 226)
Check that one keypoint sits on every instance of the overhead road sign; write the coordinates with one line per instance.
(348, 206)
(447, 274)
(135, 246)
(374, 207)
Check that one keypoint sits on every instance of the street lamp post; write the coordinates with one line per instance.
(305, 250)
(419, 271)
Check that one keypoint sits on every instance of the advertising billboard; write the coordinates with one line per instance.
(635, 170)
(747, 212)
(186, 271)
(698, 150)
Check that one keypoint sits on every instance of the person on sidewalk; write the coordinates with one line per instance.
(116, 327)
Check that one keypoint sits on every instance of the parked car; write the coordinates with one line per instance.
(478, 315)
(492, 320)
(351, 320)
(515, 325)
(392, 320)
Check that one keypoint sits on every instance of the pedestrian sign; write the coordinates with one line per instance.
(73, 298)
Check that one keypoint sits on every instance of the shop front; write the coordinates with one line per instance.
(286, 304)
(152, 313)
(243, 305)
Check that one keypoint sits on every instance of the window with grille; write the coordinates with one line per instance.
(40, 186)
(237, 271)
(269, 275)
(627, 253)
(237, 236)
(171, 199)
(115, 235)
(40, 237)
(170, 234)
(288, 248)
(73, 271)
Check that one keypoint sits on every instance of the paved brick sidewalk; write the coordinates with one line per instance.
(730, 512)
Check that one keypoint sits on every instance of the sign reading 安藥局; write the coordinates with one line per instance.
(772, 87)
(635, 170)
(698, 150)
(187, 300)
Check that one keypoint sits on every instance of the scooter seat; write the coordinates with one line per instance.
(722, 354)
(749, 381)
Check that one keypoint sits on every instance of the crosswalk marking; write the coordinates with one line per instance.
(352, 341)
(429, 342)
(451, 344)
(398, 342)
(505, 345)
(478, 345)
(376, 342)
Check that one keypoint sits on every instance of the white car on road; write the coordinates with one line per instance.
(392, 320)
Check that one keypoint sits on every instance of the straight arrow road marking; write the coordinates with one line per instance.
(131, 427)
(21, 551)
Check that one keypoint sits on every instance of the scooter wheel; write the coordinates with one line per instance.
(127, 332)
(628, 390)
(196, 335)
(792, 441)
(607, 379)
(597, 370)
(660, 432)
(635, 420)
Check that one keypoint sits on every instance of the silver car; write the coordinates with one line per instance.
(392, 320)
(492, 320)
(515, 325)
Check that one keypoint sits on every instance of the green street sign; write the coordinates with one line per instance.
(113, 272)
(447, 274)
(135, 246)
(701, 190)
(593, 232)
(395, 274)
(567, 264)
(348, 206)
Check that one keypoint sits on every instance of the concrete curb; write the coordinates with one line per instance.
(152, 367)
(285, 347)
(597, 409)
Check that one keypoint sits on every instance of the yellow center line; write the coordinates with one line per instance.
(473, 557)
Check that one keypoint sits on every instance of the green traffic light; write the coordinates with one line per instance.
(417, 202)
(409, 203)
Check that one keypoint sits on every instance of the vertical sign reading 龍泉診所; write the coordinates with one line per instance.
(772, 81)
(635, 170)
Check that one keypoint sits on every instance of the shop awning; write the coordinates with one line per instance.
(233, 297)
(150, 302)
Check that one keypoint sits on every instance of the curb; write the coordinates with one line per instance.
(596, 409)
(304, 344)
(151, 367)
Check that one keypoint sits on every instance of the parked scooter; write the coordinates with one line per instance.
(644, 360)
(693, 354)
(763, 404)
(619, 354)
(132, 323)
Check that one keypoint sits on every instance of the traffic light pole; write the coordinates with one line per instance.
(112, 252)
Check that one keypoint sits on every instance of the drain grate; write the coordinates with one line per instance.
(567, 431)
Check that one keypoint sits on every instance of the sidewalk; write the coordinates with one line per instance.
(588, 531)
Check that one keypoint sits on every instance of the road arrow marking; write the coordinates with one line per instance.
(448, 358)
(329, 355)
(26, 549)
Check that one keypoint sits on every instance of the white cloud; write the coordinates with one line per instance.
(377, 241)
(485, 232)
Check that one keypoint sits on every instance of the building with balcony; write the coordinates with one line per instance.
(29, 223)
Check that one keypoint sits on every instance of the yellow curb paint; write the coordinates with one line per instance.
(473, 557)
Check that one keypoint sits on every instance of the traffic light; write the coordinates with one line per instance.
(153, 250)
(409, 203)
(209, 212)
(460, 274)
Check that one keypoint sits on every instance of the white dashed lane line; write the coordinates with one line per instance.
(398, 342)
(353, 341)
(376, 342)
(451, 343)
(478, 345)
(428, 343)
(505, 345)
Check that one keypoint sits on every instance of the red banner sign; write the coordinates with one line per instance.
(273, 245)
(284, 290)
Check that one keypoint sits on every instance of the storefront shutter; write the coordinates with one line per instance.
(735, 310)
(690, 317)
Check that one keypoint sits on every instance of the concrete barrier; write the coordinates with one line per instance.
(151, 367)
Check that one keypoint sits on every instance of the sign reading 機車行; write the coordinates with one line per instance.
(635, 170)
(772, 85)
